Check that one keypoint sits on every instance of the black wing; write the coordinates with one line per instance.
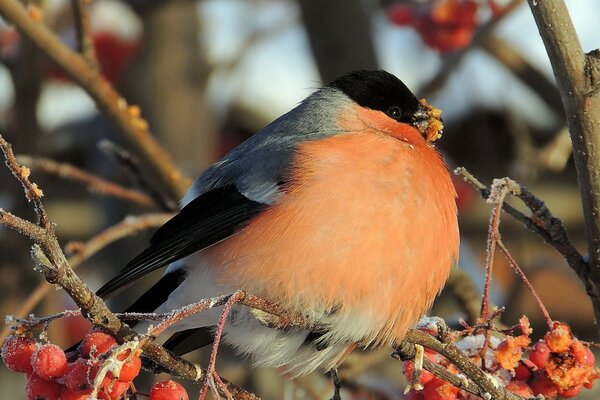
(208, 219)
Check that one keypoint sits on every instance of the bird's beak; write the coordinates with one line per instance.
(428, 120)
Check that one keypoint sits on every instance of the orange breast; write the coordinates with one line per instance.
(367, 227)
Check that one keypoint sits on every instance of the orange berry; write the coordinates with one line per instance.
(112, 389)
(582, 353)
(559, 338)
(438, 389)
(520, 388)
(129, 369)
(574, 391)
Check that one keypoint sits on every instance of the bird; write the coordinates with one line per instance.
(342, 211)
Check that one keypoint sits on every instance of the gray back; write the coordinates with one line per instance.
(259, 164)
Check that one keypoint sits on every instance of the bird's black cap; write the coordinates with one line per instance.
(379, 90)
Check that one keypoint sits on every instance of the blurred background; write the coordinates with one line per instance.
(207, 74)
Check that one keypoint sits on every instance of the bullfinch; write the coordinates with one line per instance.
(341, 211)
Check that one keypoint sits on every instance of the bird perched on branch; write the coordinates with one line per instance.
(341, 211)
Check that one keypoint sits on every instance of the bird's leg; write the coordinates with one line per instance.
(337, 384)
(212, 378)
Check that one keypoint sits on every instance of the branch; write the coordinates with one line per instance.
(32, 192)
(82, 251)
(485, 386)
(131, 164)
(114, 106)
(52, 264)
(542, 222)
(462, 287)
(93, 183)
(512, 59)
(578, 76)
(453, 60)
(83, 26)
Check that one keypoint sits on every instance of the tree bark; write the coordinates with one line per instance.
(339, 32)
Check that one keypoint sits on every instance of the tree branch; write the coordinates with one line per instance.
(83, 26)
(114, 106)
(577, 76)
(455, 59)
(485, 386)
(52, 263)
(82, 251)
(93, 183)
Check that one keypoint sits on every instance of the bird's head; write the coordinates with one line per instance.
(386, 104)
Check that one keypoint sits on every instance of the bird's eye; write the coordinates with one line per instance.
(394, 112)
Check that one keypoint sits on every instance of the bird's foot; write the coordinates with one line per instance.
(435, 326)
(337, 384)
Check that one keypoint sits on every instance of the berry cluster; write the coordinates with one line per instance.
(99, 368)
(444, 25)
(557, 365)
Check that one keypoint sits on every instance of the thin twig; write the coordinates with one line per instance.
(497, 194)
(131, 164)
(32, 192)
(82, 251)
(515, 62)
(542, 222)
(83, 27)
(52, 263)
(525, 280)
(93, 183)
(461, 285)
(114, 106)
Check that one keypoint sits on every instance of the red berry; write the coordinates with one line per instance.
(409, 368)
(520, 388)
(438, 389)
(130, 369)
(400, 14)
(574, 391)
(168, 390)
(582, 353)
(80, 376)
(16, 353)
(66, 394)
(112, 389)
(522, 372)
(542, 384)
(540, 354)
(49, 362)
(96, 343)
(37, 388)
